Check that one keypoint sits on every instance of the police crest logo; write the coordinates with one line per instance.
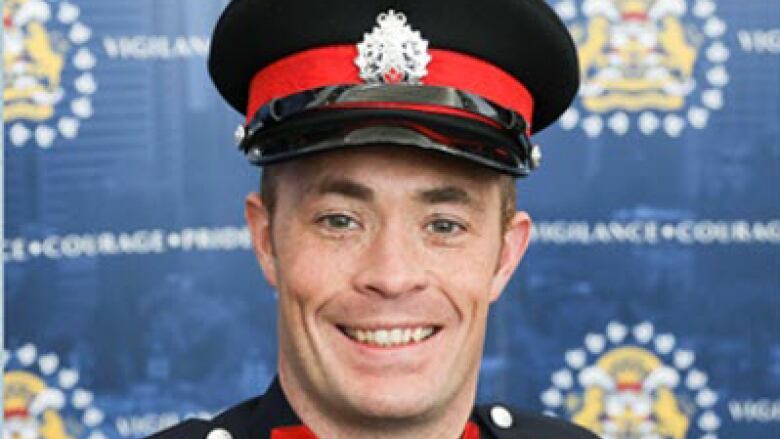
(632, 383)
(47, 68)
(392, 53)
(43, 400)
(647, 65)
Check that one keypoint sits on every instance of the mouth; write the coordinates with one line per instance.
(390, 337)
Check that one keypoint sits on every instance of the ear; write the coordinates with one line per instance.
(516, 238)
(259, 221)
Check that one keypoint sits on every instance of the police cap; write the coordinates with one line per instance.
(470, 78)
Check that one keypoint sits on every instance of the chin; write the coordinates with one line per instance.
(390, 403)
(394, 397)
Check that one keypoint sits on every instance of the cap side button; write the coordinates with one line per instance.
(500, 417)
(536, 156)
(239, 135)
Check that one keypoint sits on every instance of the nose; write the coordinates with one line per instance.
(391, 266)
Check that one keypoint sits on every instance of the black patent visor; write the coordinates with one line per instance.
(440, 119)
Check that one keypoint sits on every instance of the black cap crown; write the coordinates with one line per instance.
(522, 39)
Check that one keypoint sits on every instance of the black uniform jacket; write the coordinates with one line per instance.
(270, 416)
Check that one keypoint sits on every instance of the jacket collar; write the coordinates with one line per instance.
(272, 412)
(273, 418)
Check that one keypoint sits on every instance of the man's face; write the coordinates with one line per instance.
(385, 260)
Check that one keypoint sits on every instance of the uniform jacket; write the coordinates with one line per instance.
(270, 416)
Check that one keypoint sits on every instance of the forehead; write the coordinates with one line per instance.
(377, 167)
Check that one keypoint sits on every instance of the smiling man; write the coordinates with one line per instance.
(386, 260)
(390, 132)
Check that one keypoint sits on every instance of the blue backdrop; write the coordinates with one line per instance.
(133, 300)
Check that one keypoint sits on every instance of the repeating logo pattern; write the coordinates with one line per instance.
(631, 383)
(647, 65)
(48, 71)
(43, 400)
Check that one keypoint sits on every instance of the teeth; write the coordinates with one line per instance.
(381, 336)
(390, 337)
(397, 336)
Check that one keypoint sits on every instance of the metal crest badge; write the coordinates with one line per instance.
(393, 53)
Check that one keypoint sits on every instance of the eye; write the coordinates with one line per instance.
(338, 221)
(444, 227)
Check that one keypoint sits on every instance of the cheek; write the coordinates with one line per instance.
(467, 273)
(311, 271)
(309, 277)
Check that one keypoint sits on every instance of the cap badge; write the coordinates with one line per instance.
(393, 53)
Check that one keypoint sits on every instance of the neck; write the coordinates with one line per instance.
(446, 423)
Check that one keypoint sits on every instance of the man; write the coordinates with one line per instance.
(390, 132)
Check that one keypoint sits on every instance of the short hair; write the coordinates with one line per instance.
(270, 182)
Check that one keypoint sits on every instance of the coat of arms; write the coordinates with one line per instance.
(43, 96)
(633, 383)
(654, 64)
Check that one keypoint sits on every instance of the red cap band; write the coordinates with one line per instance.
(335, 65)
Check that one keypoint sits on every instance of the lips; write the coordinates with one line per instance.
(391, 336)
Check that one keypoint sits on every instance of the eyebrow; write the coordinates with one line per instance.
(446, 194)
(352, 189)
(347, 188)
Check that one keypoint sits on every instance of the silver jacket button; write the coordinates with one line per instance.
(219, 433)
(500, 417)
